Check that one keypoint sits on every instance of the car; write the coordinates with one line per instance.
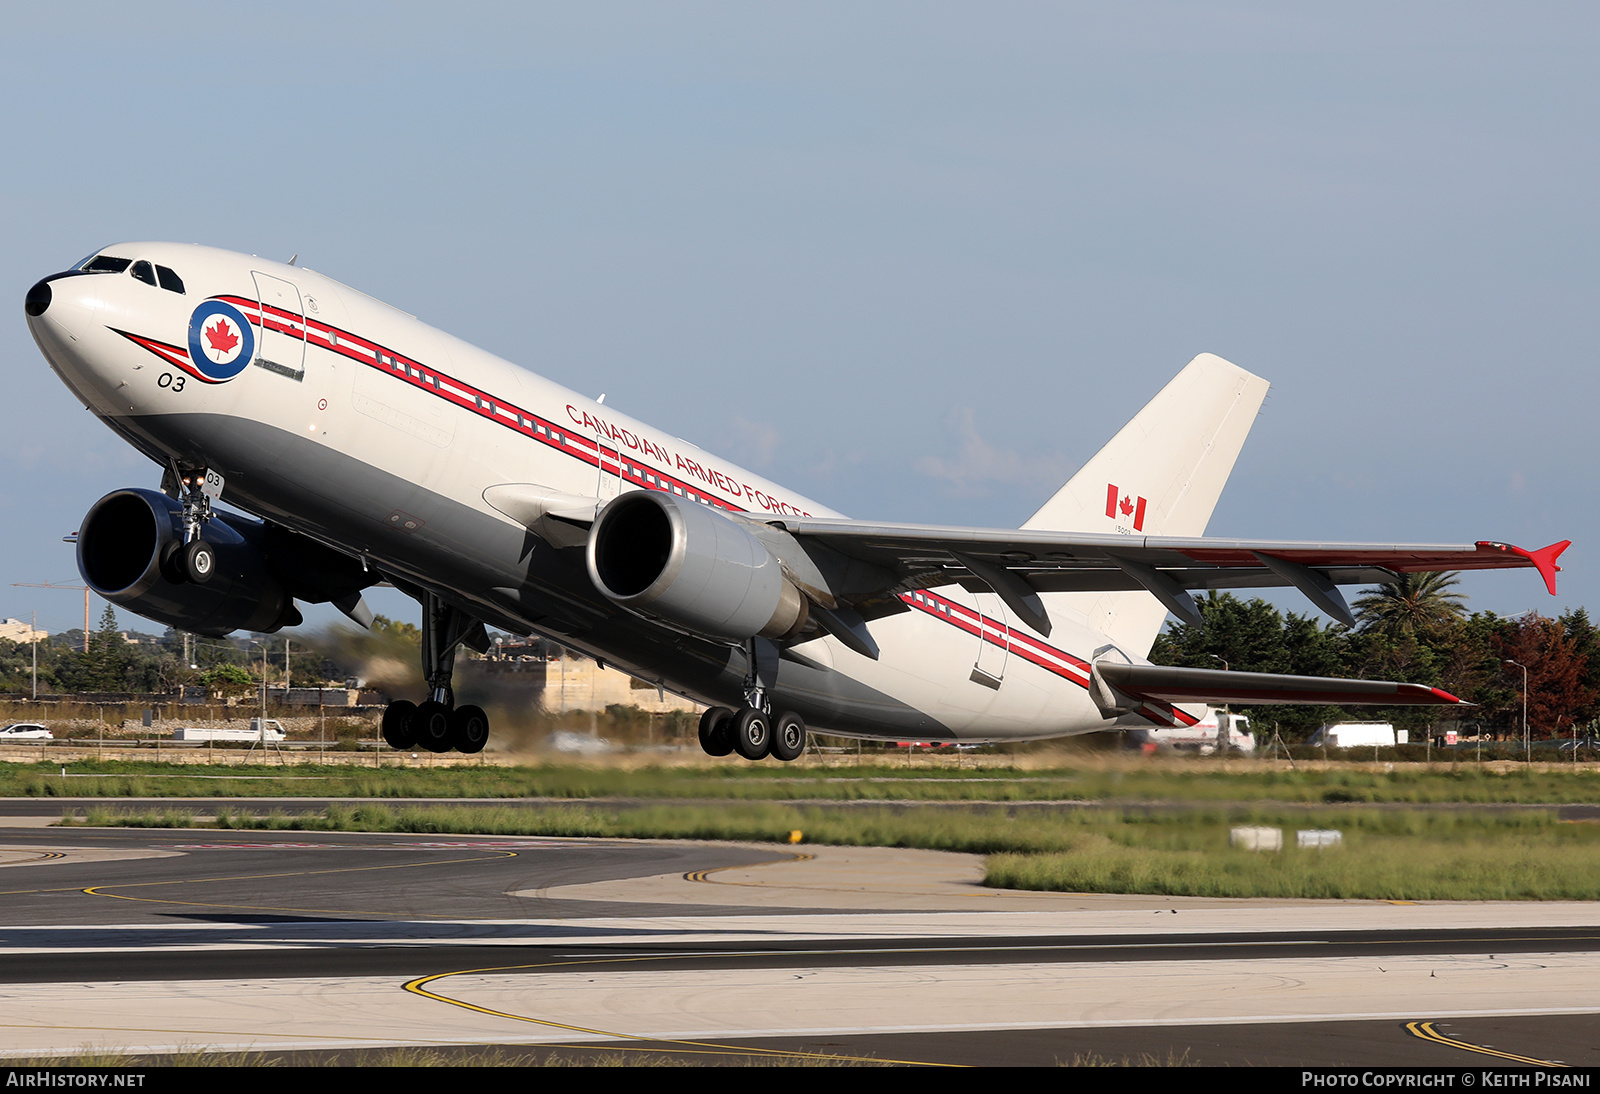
(26, 731)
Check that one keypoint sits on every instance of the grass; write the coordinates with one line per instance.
(1114, 780)
(1440, 861)
(1386, 855)
(1144, 1059)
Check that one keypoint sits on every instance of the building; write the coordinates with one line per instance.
(582, 684)
(15, 630)
(560, 684)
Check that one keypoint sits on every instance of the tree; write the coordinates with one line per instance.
(1585, 641)
(229, 680)
(1416, 606)
(1250, 636)
(106, 665)
(1556, 692)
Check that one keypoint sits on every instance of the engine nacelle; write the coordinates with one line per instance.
(689, 565)
(129, 534)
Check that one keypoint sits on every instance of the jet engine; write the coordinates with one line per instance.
(127, 541)
(688, 565)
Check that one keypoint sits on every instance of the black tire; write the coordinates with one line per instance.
(715, 740)
(469, 729)
(431, 724)
(172, 567)
(397, 729)
(752, 734)
(789, 736)
(198, 561)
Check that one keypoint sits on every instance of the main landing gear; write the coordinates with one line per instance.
(751, 731)
(437, 724)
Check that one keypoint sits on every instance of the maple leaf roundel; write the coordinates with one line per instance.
(221, 342)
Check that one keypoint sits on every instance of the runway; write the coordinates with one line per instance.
(161, 940)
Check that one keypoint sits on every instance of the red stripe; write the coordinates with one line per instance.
(573, 444)
(171, 355)
(1032, 650)
(1111, 501)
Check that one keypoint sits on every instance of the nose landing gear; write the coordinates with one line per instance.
(193, 560)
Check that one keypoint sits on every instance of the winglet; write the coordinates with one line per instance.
(1544, 559)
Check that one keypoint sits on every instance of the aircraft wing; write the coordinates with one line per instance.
(1181, 685)
(1018, 564)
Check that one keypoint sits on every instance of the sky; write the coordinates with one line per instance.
(917, 261)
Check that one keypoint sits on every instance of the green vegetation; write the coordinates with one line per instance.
(118, 662)
(1115, 780)
(1414, 629)
(1386, 854)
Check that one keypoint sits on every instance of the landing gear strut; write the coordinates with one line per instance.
(751, 730)
(194, 560)
(437, 724)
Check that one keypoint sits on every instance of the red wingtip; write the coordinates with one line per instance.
(1545, 559)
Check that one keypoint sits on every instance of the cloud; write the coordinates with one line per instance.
(980, 464)
(754, 443)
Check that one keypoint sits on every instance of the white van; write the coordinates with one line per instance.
(1359, 735)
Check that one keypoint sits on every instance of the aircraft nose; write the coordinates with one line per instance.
(38, 299)
(61, 304)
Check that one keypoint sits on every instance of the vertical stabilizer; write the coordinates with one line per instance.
(1160, 475)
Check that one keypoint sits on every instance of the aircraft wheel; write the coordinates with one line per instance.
(789, 736)
(752, 734)
(715, 740)
(397, 729)
(469, 729)
(172, 566)
(198, 561)
(431, 724)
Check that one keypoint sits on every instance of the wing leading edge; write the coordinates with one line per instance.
(1018, 564)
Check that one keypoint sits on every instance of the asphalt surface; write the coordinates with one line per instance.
(151, 940)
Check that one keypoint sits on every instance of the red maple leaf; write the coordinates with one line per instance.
(221, 338)
(1127, 506)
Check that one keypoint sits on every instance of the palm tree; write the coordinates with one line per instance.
(1411, 605)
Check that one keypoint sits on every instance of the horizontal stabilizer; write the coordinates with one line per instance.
(1180, 685)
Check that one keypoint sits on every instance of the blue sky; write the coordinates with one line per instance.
(915, 260)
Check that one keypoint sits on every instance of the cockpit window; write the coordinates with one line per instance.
(107, 264)
(143, 272)
(169, 279)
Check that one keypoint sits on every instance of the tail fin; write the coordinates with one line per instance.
(1160, 475)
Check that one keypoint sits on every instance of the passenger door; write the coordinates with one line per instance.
(282, 346)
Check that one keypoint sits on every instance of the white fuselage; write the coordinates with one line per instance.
(361, 427)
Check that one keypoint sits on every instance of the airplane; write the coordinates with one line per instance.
(368, 448)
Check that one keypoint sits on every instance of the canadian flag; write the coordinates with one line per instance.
(1120, 505)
